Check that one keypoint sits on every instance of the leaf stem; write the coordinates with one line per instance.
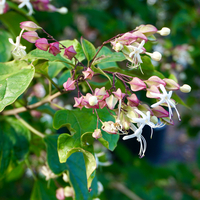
(53, 83)
(29, 166)
(33, 130)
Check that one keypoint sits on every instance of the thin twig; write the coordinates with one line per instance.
(32, 106)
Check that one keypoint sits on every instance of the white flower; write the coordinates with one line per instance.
(141, 122)
(165, 98)
(27, 4)
(19, 50)
(135, 54)
(2, 6)
(48, 173)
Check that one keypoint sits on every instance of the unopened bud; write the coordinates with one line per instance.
(30, 36)
(93, 100)
(42, 44)
(185, 88)
(65, 177)
(164, 31)
(62, 10)
(118, 47)
(154, 119)
(155, 55)
(68, 191)
(29, 26)
(69, 52)
(97, 134)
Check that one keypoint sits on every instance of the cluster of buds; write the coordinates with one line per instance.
(42, 43)
(40, 5)
(131, 43)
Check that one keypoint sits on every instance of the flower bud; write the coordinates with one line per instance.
(137, 84)
(160, 112)
(185, 88)
(97, 134)
(164, 31)
(155, 80)
(111, 101)
(118, 47)
(93, 100)
(69, 85)
(88, 74)
(147, 30)
(65, 177)
(68, 191)
(171, 84)
(155, 55)
(60, 195)
(42, 44)
(29, 26)
(119, 94)
(133, 101)
(30, 36)
(109, 127)
(69, 52)
(54, 48)
(154, 119)
(62, 10)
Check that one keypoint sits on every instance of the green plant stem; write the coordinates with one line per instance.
(28, 165)
(33, 130)
(50, 88)
(123, 189)
(53, 83)
(56, 105)
(33, 106)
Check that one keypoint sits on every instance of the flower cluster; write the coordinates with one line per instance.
(132, 43)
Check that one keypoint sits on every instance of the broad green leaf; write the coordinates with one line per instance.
(5, 46)
(106, 51)
(15, 77)
(52, 155)
(179, 100)
(78, 125)
(88, 49)
(14, 143)
(42, 192)
(39, 54)
(77, 176)
(41, 66)
(77, 47)
(55, 68)
(106, 55)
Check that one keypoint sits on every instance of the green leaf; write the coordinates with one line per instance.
(88, 49)
(106, 51)
(41, 66)
(5, 46)
(39, 54)
(63, 78)
(114, 57)
(179, 100)
(78, 125)
(52, 155)
(55, 68)
(77, 47)
(14, 143)
(11, 73)
(42, 192)
(77, 176)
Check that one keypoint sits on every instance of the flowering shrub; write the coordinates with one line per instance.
(103, 110)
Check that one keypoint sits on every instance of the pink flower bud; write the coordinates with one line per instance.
(137, 84)
(60, 195)
(90, 100)
(69, 85)
(54, 48)
(29, 26)
(133, 101)
(154, 80)
(93, 101)
(119, 94)
(69, 52)
(42, 44)
(101, 93)
(88, 74)
(97, 134)
(147, 30)
(111, 101)
(171, 84)
(30, 36)
(153, 89)
(159, 111)
(79, 102)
